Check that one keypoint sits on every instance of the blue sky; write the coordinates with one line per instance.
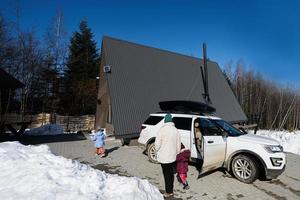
(265, 34)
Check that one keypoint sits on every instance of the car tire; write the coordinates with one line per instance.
(151, 153)
(244, 168)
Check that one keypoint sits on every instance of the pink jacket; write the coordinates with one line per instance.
(182, 161)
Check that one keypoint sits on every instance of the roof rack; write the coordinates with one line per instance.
(180, 112)
(186, 107)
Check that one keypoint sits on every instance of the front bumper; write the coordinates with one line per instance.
(274, 173)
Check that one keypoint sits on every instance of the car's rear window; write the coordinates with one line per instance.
(153, 120)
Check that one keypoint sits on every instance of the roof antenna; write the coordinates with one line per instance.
(204, 74)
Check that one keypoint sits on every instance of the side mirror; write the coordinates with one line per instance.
(225, 134)
(243, 130)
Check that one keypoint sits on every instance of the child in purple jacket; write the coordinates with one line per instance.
(182, 163)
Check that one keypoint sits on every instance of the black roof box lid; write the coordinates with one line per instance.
(186, 107)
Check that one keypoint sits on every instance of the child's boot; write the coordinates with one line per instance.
(178, 178)
(186, 186)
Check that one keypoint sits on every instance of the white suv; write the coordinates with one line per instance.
(219, 144)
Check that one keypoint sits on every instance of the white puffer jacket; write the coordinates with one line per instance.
(167, 143)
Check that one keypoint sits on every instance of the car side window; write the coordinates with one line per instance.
(153, 120)
(183, 123)
(209, 129)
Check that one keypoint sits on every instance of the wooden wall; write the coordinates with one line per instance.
(69, 123)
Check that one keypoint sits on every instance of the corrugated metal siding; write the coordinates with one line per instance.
(142, 76)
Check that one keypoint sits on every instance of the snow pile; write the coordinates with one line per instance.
(47, 129)
(289, 140)
(33, 172)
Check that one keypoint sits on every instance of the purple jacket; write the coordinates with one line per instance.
(182, 161)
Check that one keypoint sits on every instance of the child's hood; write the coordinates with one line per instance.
(100, 133)
(184, 149)
(185, 152)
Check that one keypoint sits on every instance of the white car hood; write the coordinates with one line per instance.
(257, 139)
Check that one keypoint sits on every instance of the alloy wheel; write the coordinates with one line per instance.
(152, 152)
(242, 168)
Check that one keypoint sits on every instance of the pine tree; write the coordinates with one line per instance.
(81, 72)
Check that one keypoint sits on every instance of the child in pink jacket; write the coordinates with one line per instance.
(182, 163)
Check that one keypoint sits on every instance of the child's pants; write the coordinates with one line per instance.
(100, 150)
(183, 178)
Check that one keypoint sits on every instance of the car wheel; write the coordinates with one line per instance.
(244, 168)
(151, 153)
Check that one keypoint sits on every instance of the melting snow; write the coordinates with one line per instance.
(33, 172)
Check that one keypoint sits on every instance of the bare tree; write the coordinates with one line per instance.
(56, 43)
(278, 109)
(265, 102)
(55, 56)
(24, 59)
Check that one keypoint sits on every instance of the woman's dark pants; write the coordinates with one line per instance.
(168, 171)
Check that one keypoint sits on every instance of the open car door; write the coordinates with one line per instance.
(213, 145)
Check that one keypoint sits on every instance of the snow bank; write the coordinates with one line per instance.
(33, 172)
(47, 129)
(289, 140)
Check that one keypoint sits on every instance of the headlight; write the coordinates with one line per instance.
(273, 148)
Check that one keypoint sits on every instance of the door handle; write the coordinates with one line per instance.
(210, 141)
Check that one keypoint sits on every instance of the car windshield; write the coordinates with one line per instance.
(231, 130)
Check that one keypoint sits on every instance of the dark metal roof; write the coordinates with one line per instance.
(8, 81)
(142, 76)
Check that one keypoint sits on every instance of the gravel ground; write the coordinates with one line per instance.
(130, 161)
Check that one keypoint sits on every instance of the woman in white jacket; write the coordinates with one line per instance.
(167, 145)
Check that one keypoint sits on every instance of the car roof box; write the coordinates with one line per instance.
(186, 107)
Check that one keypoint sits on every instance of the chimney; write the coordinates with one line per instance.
(204, 74)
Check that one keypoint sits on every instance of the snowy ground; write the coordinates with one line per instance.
(33, 172)
(289, 140)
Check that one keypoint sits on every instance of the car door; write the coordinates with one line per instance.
(214, 145)
(184, 125)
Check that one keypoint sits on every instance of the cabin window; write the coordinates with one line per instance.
(183, 123)
(153, 120)
(208, 128)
